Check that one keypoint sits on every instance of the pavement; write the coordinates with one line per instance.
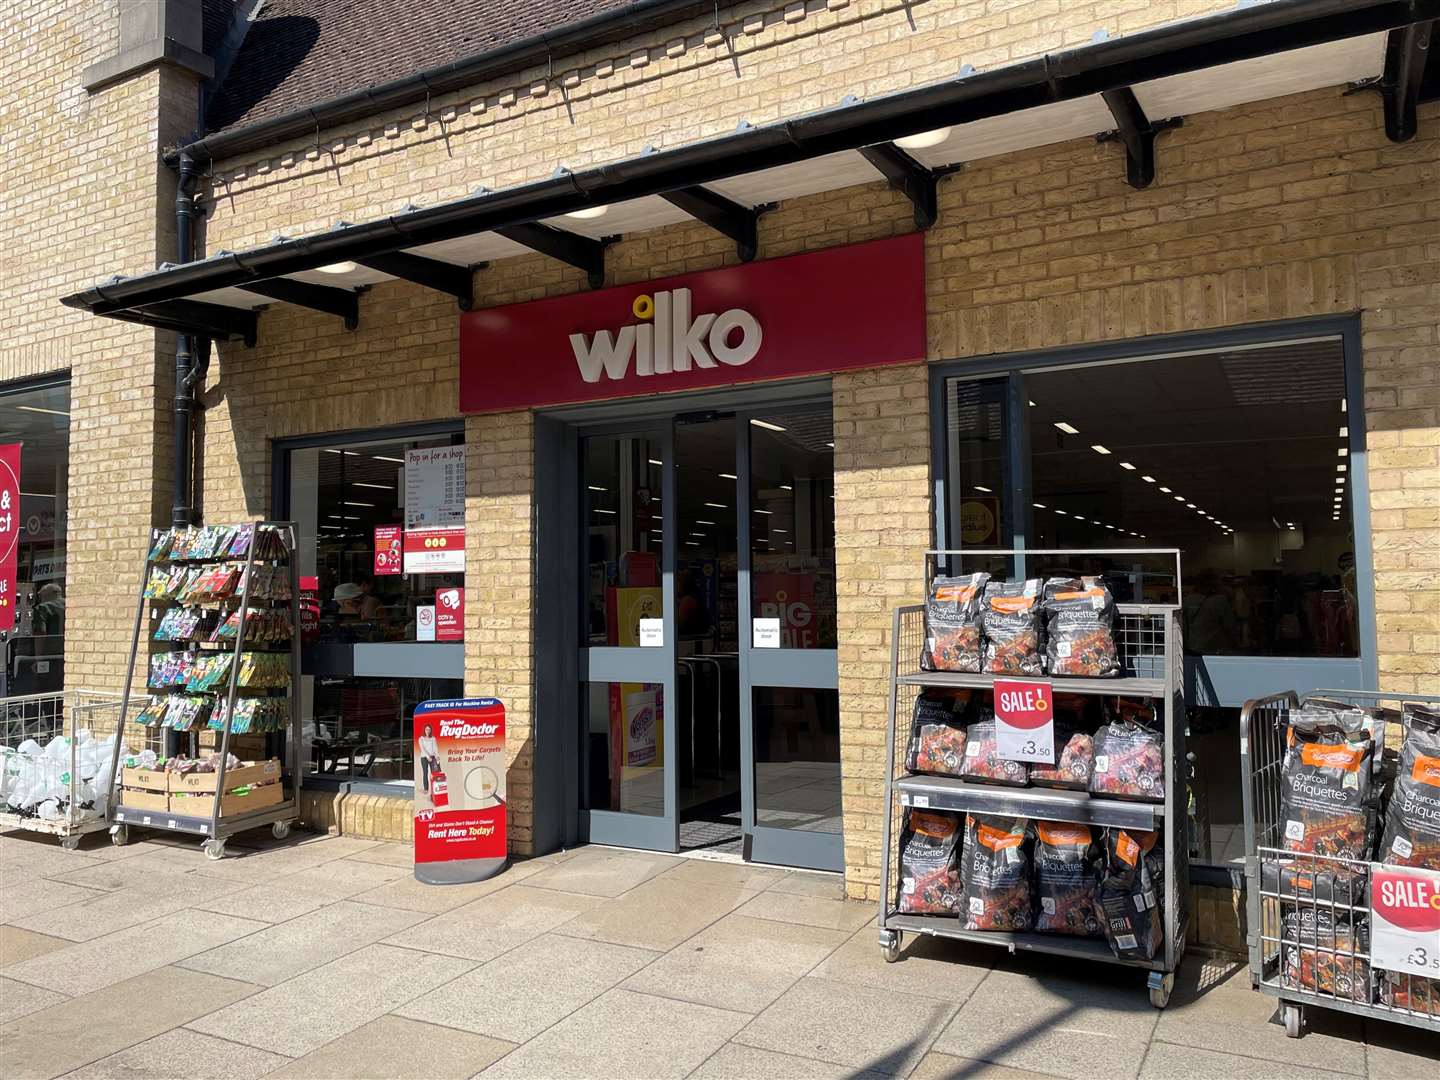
(322, 957)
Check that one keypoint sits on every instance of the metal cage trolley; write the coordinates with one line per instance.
(1309, 914)
(238, 609)
(1147, 639)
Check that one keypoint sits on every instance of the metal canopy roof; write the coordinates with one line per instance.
(1127, 89)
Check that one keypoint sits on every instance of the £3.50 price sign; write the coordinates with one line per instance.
(1025, 720)
(1405, 919)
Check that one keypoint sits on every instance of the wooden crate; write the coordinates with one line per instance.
(250, 773)
(200, 804)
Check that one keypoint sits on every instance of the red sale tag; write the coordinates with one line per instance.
(1405, 919)
(1025, 721)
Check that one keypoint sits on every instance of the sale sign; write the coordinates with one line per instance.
(1405, 919)
(1025, 720)
(449, 614)
(435, 551)
(9, 530)
(790, 598)
(459, 790)
(389, 558)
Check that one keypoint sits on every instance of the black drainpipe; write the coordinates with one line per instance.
(182, 506)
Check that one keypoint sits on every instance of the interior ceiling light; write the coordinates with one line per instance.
(1032, 404)
(1343, 406)
(1340, 479)
(588, 213)
(699, 522)
(924, 140)
(717, 506)
(769, 426)
(37, 408)
(1344, 433)
(1181, 498)
(1165, 490)
(981, 487)
(1062, 513)
(599, 511)
(1341, 467)
(594, 488)
(701, 534)
(1340, 491)
(728, 476)
(654, 462)
(831, 445)
(1290, 524)
(786, 487)
(1188, 506)
(346, 267)
(767, 513)
(1079, 518)
(1127, 466)
(369, 505)
(782, 532)
(1342, 452)
(1099, 449)
(377, 487)
(1148, 479)
(1040, 506)
(396, 460)
(1066, 428)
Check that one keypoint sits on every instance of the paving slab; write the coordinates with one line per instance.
(658, 914)
(735, 1062)
(810, 910)
(310, 1010)
(303, 891)
(855, 1026)
(520, 994)
(42, 859)
(1054, 1024)
(411, 895)
(1400, 1052)
(623, 1034)
(182, 1053)
(803, 883)
(17, 944)
(602, 872)
(25, 894)
(273, 954)
(112, 911)
(393, 1047)
(935, 1066)
(741, 875)
(150, 871)
(99, 1024)
(18, 998)
(1228, 1021)
(930, 967)
(1169, 1061)
(387, 854)
(493, 925)
(738, 963)
(99, 962)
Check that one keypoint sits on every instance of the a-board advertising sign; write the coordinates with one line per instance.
(460, 830)
(9, 531)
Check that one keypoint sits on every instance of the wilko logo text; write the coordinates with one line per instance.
(668, 339)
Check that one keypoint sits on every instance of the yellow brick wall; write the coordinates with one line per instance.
(82, 195)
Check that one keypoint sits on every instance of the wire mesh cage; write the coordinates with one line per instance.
(1309, 912)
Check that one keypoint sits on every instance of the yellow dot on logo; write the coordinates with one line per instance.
(643, 307)
(440, 542)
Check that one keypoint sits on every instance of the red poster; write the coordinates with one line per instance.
(459, 780)
(309, 609)
(450, 614)
(440, 550)
(791, 599)
(388, 558)
(9, 530)
(862, 305)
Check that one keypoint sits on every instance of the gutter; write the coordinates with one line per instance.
(634, 18)
(1278, 26)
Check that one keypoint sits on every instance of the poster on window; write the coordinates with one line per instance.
(434, 487)
(389, 558)
(435, 551)
(459, 790)
(789, 598)
(450, 614)
(9, 530)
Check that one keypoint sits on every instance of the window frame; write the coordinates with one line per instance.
(1226, 681)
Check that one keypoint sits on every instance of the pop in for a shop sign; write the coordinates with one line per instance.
(1405, 920)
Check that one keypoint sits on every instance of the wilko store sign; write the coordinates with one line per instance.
(847, 307)
(9, 530)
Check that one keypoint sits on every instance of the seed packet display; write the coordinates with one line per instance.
(1412, 820)
(929, 863)
(1065, 880)
(1129, 755)
(263, 626)
(1325, 952)
(995, 873)
(253, 715)
(1011, 618)
(1128, 897)
(1326, 803)
(937, 734)
(1080, 628)
(952, 624)
(982, 756)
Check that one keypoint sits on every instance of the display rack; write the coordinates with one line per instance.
(218, 826)
(1147, 638)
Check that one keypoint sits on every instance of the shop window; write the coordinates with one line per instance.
(797, 758)
(36, 419)
(384, 638)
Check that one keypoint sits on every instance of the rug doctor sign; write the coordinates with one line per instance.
(825, 311)
(460, 832)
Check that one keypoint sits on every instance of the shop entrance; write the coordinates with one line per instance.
(708, 696)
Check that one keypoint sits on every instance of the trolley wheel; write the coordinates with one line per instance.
(120, 835)
(1160, 989)
(214, 849)
(70, 843)
(1294, 1018)
(890, 945)
(280, 830)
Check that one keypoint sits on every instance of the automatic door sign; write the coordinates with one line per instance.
(1405, 920)
(1025, 721)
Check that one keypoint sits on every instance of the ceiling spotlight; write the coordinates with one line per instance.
(924, 140)
(338, 268)
(589, 213)
(1066, 428)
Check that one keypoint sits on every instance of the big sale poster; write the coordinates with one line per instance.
(459, 787)
(9, 530)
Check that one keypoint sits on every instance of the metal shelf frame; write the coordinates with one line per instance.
(215, 827)
(1148, 638)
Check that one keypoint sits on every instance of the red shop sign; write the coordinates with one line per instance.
(848, 307)
(9, 530)
(387, 550)
(450, 614)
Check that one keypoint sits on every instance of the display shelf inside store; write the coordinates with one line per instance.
(1123, 687)
(1043, 804)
